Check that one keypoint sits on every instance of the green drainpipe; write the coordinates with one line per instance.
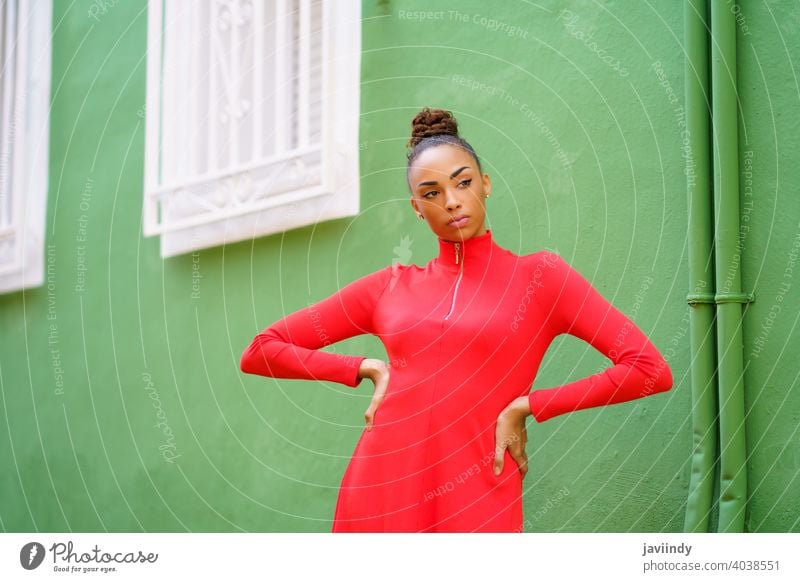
(697, 151)
(729, 296)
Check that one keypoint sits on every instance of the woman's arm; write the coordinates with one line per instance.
(572, 305)
(289, 347)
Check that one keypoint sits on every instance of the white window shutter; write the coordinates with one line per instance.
(25, 47)
(251, 118)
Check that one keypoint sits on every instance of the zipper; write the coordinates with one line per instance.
(460, 262)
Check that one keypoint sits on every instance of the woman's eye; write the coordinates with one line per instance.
(467, 182)
(427, 193)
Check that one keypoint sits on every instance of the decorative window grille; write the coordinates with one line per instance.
(25, 47)
(251, 118)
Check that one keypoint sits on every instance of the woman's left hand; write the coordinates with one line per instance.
(511, 434)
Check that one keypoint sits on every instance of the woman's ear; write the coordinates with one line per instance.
(487, 184)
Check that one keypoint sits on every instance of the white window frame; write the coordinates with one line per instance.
(295, 185)
(24, 141)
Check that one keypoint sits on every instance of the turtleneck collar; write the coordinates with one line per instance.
(473, 251)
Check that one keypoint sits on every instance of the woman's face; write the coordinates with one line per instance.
(445, 184)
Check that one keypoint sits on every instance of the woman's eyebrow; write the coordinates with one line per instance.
(434, 182)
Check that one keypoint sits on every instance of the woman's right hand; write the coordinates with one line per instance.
(378, 372)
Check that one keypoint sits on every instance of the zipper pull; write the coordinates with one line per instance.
(458, 245)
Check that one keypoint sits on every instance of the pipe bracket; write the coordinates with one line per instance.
(695, 298)
(735, 297)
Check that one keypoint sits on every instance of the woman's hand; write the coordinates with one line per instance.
(378, 372)
(511, 434)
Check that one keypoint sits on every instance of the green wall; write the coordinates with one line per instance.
(769, 141)
(122, 399)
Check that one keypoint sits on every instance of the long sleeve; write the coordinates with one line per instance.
(572, 305)
(289, 347)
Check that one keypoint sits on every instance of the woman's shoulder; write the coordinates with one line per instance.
(549, 271)
(379, 279)
(546, 258)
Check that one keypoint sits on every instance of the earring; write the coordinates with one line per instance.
(420, 216)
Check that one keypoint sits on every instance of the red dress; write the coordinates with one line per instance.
(464, 335)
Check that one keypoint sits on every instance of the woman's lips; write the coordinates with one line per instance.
(459, 222)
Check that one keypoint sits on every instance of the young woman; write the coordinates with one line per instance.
(443, 449)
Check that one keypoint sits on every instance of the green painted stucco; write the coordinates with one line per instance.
(769, 141)
(576, 116)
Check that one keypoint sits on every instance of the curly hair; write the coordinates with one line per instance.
(433, 127)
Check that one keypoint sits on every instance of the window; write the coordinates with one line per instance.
(251, 118)
(25, 42)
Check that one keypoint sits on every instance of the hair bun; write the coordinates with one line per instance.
(430, 122)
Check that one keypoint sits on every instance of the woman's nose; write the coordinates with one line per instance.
(452, 201)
